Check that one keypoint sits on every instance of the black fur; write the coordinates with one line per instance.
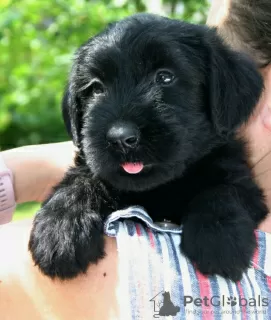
(196, 171)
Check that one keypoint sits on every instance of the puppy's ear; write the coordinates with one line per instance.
(235, 87)
(71, 114)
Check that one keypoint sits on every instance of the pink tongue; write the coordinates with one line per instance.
(132, 168)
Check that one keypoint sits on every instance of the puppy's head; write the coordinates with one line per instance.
(150, 95)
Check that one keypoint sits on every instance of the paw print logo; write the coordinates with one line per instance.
(232, 301)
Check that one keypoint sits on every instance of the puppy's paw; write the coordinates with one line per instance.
(63, 248)
(214, 248)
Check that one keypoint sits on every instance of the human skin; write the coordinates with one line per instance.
(26, 294)
(37, 168)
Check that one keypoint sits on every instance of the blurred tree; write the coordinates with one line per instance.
(37, 40)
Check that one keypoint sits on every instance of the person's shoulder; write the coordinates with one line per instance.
(14, 239)
(14, 266)
(25, 292)
(12, 232)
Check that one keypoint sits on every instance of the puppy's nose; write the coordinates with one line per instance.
(123, 136)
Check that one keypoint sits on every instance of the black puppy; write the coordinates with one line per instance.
(153, 105)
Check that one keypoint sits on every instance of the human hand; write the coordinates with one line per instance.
(37, 168)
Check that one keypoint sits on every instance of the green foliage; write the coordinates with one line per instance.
(37, 41)
(25, 211)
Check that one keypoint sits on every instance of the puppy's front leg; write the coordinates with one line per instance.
(218, 230)
(67, 232)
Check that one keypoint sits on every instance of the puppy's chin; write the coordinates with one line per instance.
(151, 177)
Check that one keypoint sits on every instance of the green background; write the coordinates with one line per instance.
(37, 41)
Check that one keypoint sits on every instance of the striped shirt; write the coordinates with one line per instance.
(158, 281)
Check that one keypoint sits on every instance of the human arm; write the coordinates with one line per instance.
(36, 169)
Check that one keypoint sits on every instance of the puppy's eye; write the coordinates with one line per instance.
(164, 77)
(92, 89)
(96, 88)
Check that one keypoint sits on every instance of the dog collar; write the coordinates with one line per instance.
(7, 197)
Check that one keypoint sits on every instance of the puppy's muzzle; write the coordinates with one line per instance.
(123, 136)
